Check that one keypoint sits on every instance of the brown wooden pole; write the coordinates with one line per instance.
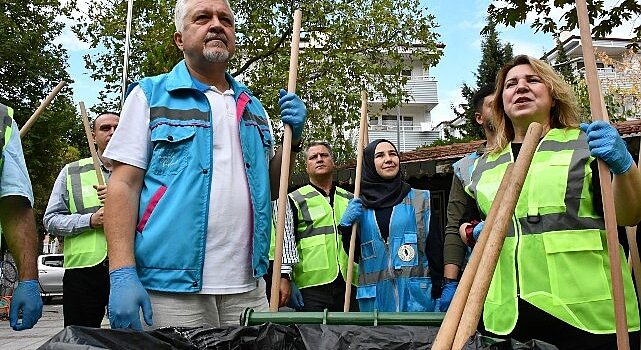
(90, 140)
(41, 108)
(633, 257)
(598, 111)
(357, 191)
(447, 331)
(284, 169)
(480, 286)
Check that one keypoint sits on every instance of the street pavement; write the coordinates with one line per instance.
(49, 325)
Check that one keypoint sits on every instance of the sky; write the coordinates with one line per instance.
(460, 22)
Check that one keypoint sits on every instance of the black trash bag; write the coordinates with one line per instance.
(270, 336)
(339, 337)
(512, 344)
(265, 336)
(85, 338)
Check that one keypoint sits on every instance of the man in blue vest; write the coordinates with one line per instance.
(18, 225)
(75, 212)
(188, 212)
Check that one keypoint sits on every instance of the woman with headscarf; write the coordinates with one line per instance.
(552, 281)
(401, 250)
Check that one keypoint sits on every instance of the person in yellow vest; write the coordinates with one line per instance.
(552, 281)
(17, 224)
(317, 210)
(75, 212)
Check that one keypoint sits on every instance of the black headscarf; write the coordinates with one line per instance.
(377, 192)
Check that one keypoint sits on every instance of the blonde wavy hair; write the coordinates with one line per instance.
(563, 114)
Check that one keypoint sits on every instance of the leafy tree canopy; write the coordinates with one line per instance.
(603, 20)
(348, 45)
(31, 67)
(495, 55)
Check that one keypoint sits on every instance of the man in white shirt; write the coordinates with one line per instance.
(193, 158)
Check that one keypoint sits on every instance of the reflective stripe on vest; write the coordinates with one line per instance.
(419, 205)
(6, 120)
(557, 260)
(464, 167)
(90, 247)
(317, 240)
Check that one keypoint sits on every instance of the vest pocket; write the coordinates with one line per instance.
(171, 152)
(313, 253)
(150, 208)
(576, 265)
(404, 250)
(366, 296)
(368, 250)
(420, 295)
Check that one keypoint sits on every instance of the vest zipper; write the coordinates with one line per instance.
(390, 265)
(517, 235)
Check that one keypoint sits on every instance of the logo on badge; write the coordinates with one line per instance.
(406, 252)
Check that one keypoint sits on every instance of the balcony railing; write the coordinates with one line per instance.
(393, 127)
(420, 89)
(612, 77)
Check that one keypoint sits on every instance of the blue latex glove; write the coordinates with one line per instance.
(126, 297)
(605, 143)
(26, 299)
(477, 230)
(447, 295)
(295, 298)
(292, 112)
(352, 213)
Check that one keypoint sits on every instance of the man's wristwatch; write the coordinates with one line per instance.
(448, 280)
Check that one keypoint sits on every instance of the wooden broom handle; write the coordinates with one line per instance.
(492, 250)
(447, 331)
(357, 191)
(598, 111)
(284, 169)
(41, 108)
(90, 140)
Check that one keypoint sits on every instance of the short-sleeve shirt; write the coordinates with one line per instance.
(15, 178)
(227, 265)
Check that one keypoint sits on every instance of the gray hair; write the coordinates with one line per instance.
(181, 10)
(319, 143)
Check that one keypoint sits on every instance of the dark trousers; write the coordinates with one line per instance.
(534, 323)
(85, 295)
(329, 296)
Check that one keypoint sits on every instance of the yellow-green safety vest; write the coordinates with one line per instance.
(317, 239)
(555, 255)
(6, 121)
(90, 247)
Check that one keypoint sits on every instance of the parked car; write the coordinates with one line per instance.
(50, 273)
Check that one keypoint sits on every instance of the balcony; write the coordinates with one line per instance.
(420, 89)
(411, 136)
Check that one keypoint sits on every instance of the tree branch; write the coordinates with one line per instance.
(268, 53)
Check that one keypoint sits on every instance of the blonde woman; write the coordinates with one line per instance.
(552, 280)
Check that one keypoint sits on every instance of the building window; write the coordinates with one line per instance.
(373, 120)
(391, 120)
(406, 72)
